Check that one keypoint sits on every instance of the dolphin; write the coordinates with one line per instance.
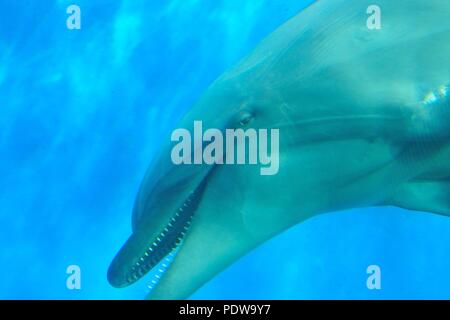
(364, 120)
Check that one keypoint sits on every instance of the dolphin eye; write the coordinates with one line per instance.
(245, 118)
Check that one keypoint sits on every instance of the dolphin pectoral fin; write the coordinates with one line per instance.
(424, 195)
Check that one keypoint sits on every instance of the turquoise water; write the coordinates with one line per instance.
(81, 115)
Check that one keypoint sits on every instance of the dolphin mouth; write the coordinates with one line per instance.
(167, 242)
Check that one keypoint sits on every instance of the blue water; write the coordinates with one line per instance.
(81, 114)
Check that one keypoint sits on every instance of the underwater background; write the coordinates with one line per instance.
(81, 115)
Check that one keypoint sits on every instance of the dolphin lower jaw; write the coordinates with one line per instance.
(167, 242)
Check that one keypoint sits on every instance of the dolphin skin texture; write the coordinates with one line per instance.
(363, 118)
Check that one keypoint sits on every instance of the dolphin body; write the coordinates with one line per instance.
(364, 120)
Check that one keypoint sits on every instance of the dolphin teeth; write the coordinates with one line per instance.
(166, 243)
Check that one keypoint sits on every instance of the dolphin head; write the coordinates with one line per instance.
(344, 127)
(173, 207)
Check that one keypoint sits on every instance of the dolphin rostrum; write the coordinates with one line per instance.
(364, 120)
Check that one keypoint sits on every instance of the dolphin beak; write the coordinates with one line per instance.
(165, 205)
